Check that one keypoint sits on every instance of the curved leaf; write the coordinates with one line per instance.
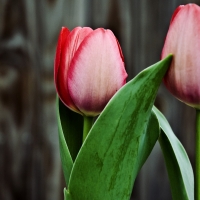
(118, 143)
(178, 164)
(143, 146)
(70, 128)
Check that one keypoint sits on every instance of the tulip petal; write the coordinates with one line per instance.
(120, 50)
(70, 46)
(61, 40)
(75, 38)
(183, 41)
(96, 72)
(175, 12)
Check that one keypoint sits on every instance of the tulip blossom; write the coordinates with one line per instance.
(89, 69)
(183, 41)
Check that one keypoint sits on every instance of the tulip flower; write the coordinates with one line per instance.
(89, 69)
(183, 41)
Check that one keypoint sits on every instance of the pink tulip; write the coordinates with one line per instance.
(89, 69)
(183, 41)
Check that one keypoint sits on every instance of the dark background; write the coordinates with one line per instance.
(29, 152)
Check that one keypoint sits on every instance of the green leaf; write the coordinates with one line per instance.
(70, 128)
(178, 164)
(119, 141)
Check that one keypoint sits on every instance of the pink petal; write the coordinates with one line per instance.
(96, 72)
(175, 12)
(70, 46)
(73, 41)
(183, 40)
(120, 50)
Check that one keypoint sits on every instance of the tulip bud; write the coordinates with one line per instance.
(89, 69)
(183, 41)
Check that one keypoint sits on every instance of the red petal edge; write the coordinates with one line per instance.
(58, 66)
(176, 12)
(61, 40)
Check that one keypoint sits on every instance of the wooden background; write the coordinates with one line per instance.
(29, 153)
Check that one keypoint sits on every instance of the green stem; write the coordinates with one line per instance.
(87, 124)
(197, 175)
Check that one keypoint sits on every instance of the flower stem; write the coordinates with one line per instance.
(87, 124)
(197, 176)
